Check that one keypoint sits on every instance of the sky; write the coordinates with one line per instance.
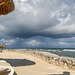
(39, 24)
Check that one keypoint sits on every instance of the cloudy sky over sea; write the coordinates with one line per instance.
(39, 23)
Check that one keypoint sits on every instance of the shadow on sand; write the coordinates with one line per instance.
(19, 62)
(15, 73)
(64, 73)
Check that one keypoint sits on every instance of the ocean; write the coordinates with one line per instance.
(59, 51)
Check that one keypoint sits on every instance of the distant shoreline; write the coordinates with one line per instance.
(58, 51)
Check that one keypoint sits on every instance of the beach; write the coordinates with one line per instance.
(26, 64)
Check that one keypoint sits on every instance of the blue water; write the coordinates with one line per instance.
(59, 51)
(64, 52)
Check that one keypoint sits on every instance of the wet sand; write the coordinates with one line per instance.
(25, 64)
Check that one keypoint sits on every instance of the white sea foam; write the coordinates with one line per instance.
(54, 50)
(70, 50)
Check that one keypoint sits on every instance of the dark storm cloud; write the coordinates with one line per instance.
(31, 18)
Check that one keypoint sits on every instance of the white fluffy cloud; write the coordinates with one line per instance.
(7, 42)
(34, 43)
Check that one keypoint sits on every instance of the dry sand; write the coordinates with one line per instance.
(24, 64)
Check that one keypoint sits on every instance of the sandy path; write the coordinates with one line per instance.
(24, 64)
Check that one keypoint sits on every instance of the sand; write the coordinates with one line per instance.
(25, 64)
